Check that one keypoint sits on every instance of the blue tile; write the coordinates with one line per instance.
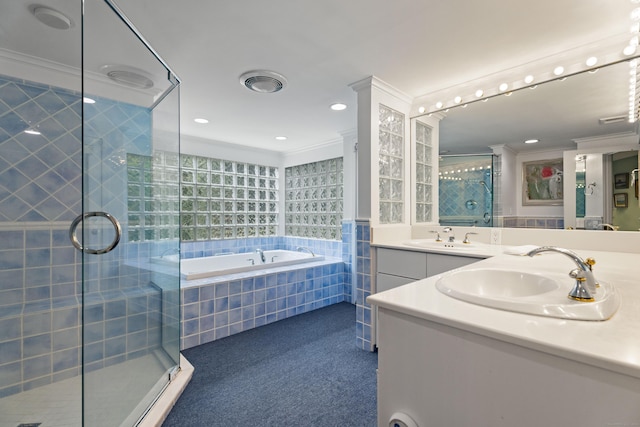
(221, 304)
(235, 301)
(190, 311)
(36, 345)
(66, 318)
(207, 307)
(10, 351)
(93, 332)
(222, 290)
(247, 299)
(93, 313)
(235, 287)
(235, 316)
(115, 347)
(35, 324)
(115, 327)
(221, 319)
(67, 338)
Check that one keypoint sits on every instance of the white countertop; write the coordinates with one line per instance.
(476, 250)
(613, 344)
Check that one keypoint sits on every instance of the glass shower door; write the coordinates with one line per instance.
(129, 223)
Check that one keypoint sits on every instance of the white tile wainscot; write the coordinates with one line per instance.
(447, 362)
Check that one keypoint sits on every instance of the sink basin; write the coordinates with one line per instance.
(527, 292)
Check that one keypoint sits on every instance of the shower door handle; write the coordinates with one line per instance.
(80, 218)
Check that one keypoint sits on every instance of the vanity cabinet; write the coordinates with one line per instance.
(397, 267)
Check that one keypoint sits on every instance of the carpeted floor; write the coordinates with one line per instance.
(302, 371)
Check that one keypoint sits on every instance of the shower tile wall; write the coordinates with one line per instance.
(40, 272)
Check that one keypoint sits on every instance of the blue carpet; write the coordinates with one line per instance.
(301, 371)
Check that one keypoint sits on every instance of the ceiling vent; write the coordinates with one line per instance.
(128, 76)
(51, 17)
(612, 120)
(263, 81)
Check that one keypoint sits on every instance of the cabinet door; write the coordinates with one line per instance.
(437, 263)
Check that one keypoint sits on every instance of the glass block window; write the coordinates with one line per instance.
(314, 199)
(391, 166)
(153, 196)
(222, 199)
(423, 179)
(217, 199)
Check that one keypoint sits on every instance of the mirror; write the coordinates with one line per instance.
(589, 106)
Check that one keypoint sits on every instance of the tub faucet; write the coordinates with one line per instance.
(303, 249)
(606, 226)
(583, 274)
(169, 251)
(452, 237)
(261, 253)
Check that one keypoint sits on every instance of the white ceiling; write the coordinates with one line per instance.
(417, 46)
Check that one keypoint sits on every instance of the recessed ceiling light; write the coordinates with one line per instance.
(531, 141)
(338, 106)
(281, 138)
(32, 132)
(88, 100)
(201, 120)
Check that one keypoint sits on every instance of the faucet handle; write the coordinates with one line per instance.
(466, 237)
(590, 262)
(437, 233)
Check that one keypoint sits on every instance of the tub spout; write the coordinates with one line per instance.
(169, 251)
(260, 252)
(303, 249)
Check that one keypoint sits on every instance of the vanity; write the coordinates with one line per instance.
(448, 362)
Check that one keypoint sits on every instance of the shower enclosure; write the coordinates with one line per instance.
(89, 329)
(466, 190)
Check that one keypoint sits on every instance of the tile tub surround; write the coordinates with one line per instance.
(217, 307)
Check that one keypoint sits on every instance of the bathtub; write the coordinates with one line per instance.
(219, 265)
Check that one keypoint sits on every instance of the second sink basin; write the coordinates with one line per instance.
(527, 292)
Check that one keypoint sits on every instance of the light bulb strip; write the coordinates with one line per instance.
(487, 87)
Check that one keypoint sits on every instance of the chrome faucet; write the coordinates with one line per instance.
(261, 253)
(583, 274)
(437, 233)
(303, 249)
(466, 236)
(452, 237)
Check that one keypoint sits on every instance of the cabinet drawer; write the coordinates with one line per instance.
(384, 282)
(437, 263)
(402, 263)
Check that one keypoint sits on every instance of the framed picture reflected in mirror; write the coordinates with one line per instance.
(620, 200)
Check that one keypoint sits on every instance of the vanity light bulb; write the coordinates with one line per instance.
(479, 93)
(629, 50)
(503, 87)
(457, 99)
(635, 27)
(635, 14)
(421, 110)
(528, 79)
(558, 70)
(591, 61)
(438, 104)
